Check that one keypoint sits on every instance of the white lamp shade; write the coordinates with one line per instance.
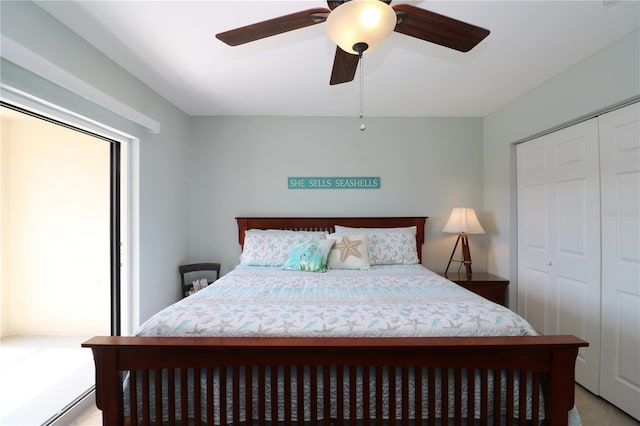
(360, 21)
(463, 220)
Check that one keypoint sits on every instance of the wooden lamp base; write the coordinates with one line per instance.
(466, 255)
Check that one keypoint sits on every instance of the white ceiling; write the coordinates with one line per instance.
(170, 46)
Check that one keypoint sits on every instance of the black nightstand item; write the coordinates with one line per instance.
(487, 285)
(196, 267)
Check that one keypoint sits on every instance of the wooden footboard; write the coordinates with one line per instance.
(470, 377)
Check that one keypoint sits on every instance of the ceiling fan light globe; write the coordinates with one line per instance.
(361, 21)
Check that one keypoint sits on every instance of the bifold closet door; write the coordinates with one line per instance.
(559, 239)
(620, 177)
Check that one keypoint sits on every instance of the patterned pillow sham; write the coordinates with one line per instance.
(388, 246)
(351, 251)
(270, 247)
(309, 255)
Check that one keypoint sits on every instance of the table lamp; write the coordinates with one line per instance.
(462, 221)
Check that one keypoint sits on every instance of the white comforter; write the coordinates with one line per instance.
(388, 301)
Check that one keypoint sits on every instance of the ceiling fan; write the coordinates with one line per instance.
(379, 20)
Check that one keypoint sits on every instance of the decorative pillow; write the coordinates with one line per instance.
(309, 255)
(349, 252)
(270, 247)
(388, 246)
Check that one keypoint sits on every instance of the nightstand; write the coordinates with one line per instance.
(198, 268)
(487, 285)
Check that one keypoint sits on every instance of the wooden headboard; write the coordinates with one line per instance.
(328, 224)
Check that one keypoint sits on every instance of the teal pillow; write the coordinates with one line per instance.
(309, 255)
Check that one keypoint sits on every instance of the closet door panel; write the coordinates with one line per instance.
(575, 293)
(620, 177)
(571, 257)
(576, 255)
(536, 294)
(573, 200)
(559, 239)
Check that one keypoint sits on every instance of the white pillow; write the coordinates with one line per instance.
(350, 251)
(388, 246)
(271, 247)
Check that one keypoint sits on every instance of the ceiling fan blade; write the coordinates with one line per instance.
(439, 29)
(344, 67)
(274, 26)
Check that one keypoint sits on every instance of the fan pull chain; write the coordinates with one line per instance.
(362, 125)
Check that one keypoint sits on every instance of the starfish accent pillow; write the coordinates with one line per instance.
(350, 251)
(388, 246)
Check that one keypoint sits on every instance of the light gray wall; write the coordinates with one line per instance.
(607, 78)
(240, 165)
(162, 157)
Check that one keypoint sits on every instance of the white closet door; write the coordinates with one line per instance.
(559, 239)
(536, 290)
(620, 176)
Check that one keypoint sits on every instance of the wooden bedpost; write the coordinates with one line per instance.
(108, 384)
(560, 389)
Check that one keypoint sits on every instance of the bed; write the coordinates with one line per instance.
(376, 338)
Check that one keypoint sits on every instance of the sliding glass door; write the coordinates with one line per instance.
(60, 264)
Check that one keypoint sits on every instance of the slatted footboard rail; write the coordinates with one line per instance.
(140, 380)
